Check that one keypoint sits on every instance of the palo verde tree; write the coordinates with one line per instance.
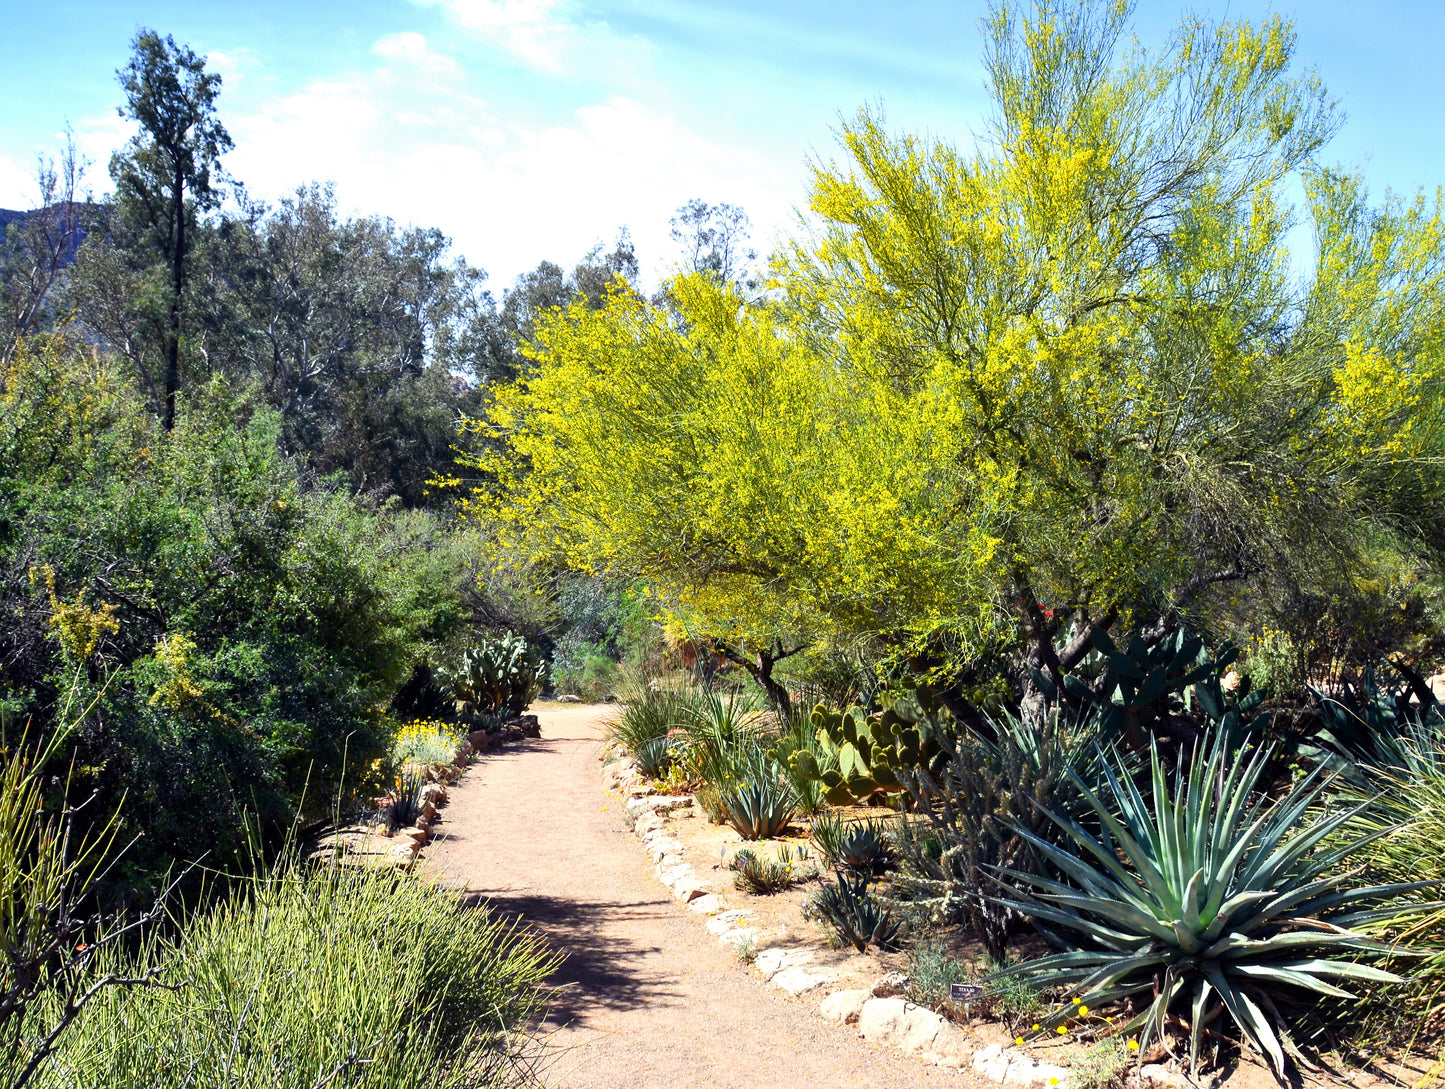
(164, 177)
(1003, 397)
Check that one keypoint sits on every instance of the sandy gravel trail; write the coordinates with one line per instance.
(649, 998)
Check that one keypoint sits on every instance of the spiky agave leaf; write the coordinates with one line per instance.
(1204, 897)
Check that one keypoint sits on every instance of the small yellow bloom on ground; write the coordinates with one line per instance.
(1133, 1045)
(1019, 1040)
(1062, 1031)
(1083, 1011)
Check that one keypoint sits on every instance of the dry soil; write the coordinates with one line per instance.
(647, 997)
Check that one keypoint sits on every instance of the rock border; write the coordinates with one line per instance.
(880, 1014)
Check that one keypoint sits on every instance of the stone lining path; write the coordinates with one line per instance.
(649, 998)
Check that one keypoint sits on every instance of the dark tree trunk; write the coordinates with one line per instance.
(760, 667)
(173, 326)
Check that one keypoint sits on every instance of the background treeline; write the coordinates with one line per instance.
(219, 547)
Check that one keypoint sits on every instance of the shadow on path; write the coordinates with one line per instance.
(602, 969)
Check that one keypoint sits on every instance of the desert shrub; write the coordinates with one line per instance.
(245, 620)
(855, 915)
(425, 742)
(765, 876)
(972, 814)
(326, 976)
(1202, 900)
(931, 971)
(1102, 1065)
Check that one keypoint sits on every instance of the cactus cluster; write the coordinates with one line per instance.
(497, 679)
(1140, 682)
(861, 756)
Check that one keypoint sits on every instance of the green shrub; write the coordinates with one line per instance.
(854, 914)
(932, 971)
(757, 797)
(425, 742)
(1202, 900)
(361, 976)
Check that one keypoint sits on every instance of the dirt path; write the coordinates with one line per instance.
(649, 998)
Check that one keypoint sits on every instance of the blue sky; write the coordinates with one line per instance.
(536, 128)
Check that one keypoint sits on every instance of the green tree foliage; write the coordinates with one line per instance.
(1001, 398)
(240, 625)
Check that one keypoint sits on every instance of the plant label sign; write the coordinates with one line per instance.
(964, 992)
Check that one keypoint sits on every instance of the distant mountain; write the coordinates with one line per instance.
(85, 213)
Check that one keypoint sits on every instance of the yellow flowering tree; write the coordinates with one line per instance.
(1065, 380)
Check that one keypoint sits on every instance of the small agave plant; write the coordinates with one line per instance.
(1202, 900)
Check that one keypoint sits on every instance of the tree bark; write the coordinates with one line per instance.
(760, 668)
(173, 326)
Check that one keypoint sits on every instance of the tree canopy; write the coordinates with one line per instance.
(999, 397)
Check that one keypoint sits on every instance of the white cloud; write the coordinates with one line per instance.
(412, 49)
(406, 141)
(545, 36)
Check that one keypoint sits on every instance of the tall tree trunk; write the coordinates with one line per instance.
(173, 327)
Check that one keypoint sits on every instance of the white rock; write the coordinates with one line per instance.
(801, 980)
(728, 919)
(843, 1007)
(915, 1030)
(659, 847)
(709, 904)
(648, 824)
(667, 862)
(1161, 1077)
(674, 874)
(687, 891)
(1010, 1067)
(772, 960)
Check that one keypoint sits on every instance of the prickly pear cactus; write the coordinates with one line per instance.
(861, 756)
(497, 678)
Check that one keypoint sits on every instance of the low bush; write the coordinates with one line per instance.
(764, 876)
(333, 976)
(932, 971)
(424, 742)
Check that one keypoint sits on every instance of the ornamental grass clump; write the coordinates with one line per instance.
(1204, 903)
(330, 976)
(649, 728)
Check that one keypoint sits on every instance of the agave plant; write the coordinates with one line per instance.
(855, 914)
(1202, 900)
(762, 805)
(862, 847)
